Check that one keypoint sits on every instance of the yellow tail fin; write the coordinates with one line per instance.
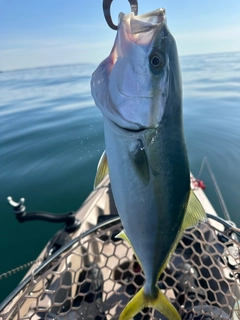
(140, 301)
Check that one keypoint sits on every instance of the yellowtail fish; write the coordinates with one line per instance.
(138, 89)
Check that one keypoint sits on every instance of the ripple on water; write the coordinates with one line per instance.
(51, 138)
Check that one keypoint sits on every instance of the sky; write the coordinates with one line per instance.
(35, 33)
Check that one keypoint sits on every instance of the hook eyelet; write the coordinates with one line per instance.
(107, 12)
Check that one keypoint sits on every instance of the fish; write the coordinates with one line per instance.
(138, 89)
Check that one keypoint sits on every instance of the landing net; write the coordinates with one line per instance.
(95, 275)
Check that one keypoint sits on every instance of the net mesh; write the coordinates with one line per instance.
(99, 274)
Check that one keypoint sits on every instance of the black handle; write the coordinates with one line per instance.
(72, 224)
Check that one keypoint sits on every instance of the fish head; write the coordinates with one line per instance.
(132, 85)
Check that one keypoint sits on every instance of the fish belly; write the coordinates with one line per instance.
(144, 201)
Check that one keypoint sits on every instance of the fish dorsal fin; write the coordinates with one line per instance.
(102, 170)
(194, 212)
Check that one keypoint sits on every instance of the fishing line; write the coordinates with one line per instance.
(217, 189)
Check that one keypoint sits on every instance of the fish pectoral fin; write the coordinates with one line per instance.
(102, 169)
(122, 235)
(194, 212)
(140, 301)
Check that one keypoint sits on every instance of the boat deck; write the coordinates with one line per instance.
(108, 258)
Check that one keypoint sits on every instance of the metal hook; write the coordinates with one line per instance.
(107, 13)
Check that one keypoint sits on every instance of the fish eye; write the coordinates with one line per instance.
(157, 62)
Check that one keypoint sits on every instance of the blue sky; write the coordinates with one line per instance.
(51, 32)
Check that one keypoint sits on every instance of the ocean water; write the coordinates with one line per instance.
(51, 137)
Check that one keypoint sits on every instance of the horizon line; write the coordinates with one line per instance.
(95, 63)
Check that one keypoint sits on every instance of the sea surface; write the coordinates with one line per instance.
(51, 137)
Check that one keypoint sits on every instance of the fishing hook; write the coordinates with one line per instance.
(107, 13)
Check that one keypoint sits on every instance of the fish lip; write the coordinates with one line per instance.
(141, 130)
(132, 131)
(154, 17)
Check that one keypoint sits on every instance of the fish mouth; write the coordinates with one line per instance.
(141, 130)
(139, 29)
(144, 22)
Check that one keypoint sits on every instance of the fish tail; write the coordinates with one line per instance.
(141, 301)
(134, 306)
(165, 307)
